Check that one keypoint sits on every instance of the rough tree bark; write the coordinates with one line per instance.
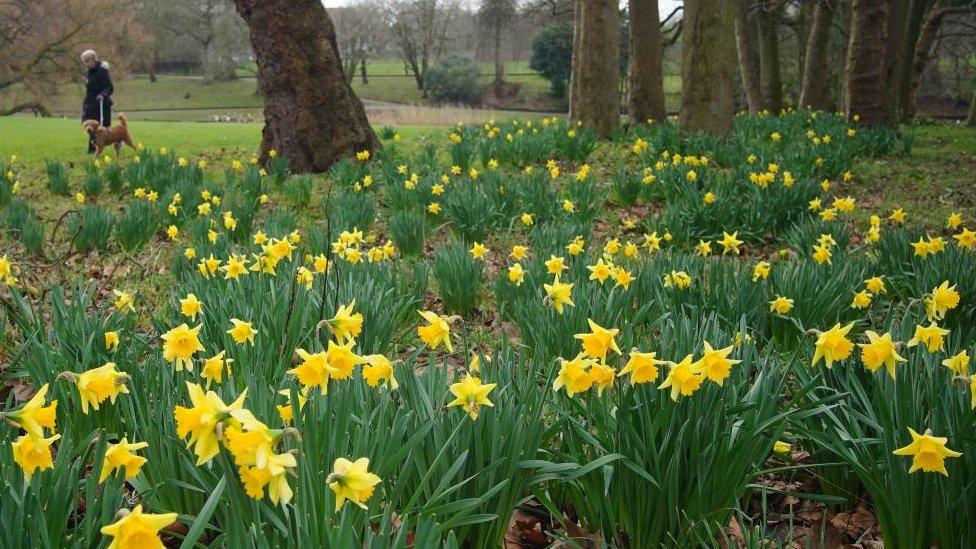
(745, 24)
(814, 89)
(594, 99)
(311, 115)
(645, 76)
(865, 72)
(708, 66)
(772, 78)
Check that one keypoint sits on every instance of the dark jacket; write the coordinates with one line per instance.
(98, 88)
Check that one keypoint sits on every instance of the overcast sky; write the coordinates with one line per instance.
(664, 5)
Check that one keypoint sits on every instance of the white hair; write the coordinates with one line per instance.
(89, 55)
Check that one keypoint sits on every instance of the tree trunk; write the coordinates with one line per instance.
(362, 71)
(923, 50)
(814, 91)
(707, 66)
(865, 72)
(595, 100)
(311, 115)
(971, 119)
(772, 79)
(349, 69)
(499, 66)
(745, 24)
(895, 63)
(645, 73)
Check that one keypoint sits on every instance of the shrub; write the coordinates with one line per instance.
(454, 79)
(552, 55)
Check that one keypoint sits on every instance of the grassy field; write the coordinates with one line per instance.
(191, 98)
(37, 139)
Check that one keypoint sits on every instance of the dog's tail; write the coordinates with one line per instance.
(122, 118)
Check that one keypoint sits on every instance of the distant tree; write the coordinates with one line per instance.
(552, 55)
(213, 26)
(494, 17)
(40, 41)
(363, 30)
(311, 115)
(421, 32)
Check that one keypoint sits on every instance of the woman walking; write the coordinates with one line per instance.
(98, 94)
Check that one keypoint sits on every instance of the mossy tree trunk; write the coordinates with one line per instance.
(767, 15)
(865, 72)
(645, 74)
(594, 98)
(745, 27)
(708, 66)
(311, 115)
(815, 82)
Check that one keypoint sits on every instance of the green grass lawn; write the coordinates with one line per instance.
(37, 139)
(936, 179)
(189, 98)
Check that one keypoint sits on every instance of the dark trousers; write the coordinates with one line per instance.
(106, 121)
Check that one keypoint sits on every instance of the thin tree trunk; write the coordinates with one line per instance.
(772, 79)
(645, 73)
(499, 66)
(901, 90)
(362, 71)
(895, 63)
(745, 24)
(707, 66)
(971, 119)
(923, 49)
(814, 90)
(865, 72)
(311, 115)
(595, 100)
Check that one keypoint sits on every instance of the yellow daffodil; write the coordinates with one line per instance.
(931, 336)
(120, 456)
(471, 395)
(833, 345)
(352, 481)
(682, 378)
(560, 294)
(179, 346)
(34, 416)
(138, 530)
(33, 454)
(715, 364)
(642, 367)
(597, 343)
(928, 453)
(880, 350)
(781, 305)
(198, 424)
(242, 332)
(437, 331)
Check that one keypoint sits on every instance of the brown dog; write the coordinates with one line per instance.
(111, 136)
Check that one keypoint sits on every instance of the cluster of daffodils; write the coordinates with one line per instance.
(354, 247)
(833, 345)
(590, 369)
